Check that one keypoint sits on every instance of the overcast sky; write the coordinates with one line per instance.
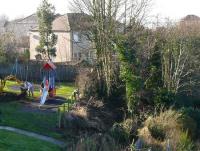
(174, 9)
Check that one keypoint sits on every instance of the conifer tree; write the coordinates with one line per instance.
(48, 40)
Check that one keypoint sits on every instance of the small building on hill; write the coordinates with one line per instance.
(190, 24)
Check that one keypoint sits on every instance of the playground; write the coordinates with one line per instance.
(39, 114)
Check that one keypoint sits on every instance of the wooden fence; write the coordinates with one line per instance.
(33, 72)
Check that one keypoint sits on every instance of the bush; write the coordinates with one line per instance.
(183, 100)
(195, 115)
(157, 131)
(161, 129)
(163, 97)
(86, 82)
(119, 133)
(131, 126)
(161, 125)
(188, 124)
(185, 143)
(96, 142)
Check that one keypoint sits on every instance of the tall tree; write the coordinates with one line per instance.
(107, 16)
(48, 40)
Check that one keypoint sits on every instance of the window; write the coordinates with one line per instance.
(76, 37)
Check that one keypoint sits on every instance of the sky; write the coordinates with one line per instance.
(174, 9)
(19, 8)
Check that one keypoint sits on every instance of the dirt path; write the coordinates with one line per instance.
(34, 135)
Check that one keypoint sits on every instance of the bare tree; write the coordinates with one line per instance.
(179, 58)
(108, 18)
(3, 22)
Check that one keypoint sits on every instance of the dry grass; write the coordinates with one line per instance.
(96, 142)
(81, 112)
(166, 126)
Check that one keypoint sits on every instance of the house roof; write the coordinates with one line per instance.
(68, 22)
(61, 24)
(31, 19)
(191, 18)
(79, 21)
(191, 21)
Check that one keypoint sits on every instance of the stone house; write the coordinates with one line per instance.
(20, 27)
(19, 30)
(190, 24)
(72, 44)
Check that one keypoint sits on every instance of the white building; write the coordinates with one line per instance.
(72, 43)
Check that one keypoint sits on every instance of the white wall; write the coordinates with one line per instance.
(63, 46)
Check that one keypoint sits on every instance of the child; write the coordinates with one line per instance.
(76, 94)
(29, 87)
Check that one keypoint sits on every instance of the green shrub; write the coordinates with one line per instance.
(185, 143)
(195, 115)
(183, 101)
(157, 131)
(119, 134)
(188, 124)
(131, 126)
(187, 101)
(164, 97)
(128, 125)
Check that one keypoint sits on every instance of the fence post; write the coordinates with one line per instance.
(59, 118)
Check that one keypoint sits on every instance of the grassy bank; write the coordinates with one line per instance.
(14, 142)
(16, 115)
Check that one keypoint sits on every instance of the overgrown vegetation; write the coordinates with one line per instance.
(145, 69)
(143, 90)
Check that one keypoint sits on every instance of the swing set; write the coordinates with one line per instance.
(11, 77)
(48, 73)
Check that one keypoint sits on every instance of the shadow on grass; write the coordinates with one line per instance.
(9, 96)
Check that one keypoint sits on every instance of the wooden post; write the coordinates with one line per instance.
(63, 116)
(68, 106)
(59, 118)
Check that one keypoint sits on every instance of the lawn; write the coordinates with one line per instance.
(16, 115)
(10, 141)
(62, 89)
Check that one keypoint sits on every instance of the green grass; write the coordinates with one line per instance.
(8, 86)
(13, 114)
(14, 142)
(63, 89)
